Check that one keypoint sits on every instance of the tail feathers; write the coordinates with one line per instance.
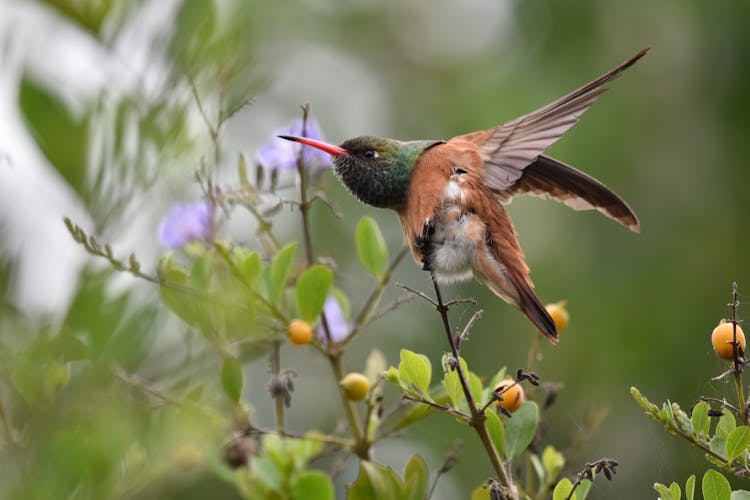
(532, 307)
(517, 291)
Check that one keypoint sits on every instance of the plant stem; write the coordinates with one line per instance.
(738, 360)
(478, 418)
(361, 446)
(366, 312)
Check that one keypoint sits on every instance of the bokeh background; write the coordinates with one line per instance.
(98, 125)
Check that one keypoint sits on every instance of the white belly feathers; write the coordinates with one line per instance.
(459, 233)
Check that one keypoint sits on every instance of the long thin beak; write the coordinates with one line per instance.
(323, 146)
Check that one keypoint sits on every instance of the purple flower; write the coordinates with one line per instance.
(283, 154)
(337, 324)
(187, 222)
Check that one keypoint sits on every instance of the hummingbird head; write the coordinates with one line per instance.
(375, 170)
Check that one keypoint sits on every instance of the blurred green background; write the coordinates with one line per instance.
(99, 125)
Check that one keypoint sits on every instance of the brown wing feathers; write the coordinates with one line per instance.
(548, 177)
(513, 161)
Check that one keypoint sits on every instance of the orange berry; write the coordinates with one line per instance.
(300, 332)
(722, 337)
(512, 398)
(355, 386)
(559, 314)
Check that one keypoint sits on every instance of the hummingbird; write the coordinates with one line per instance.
(449, 195)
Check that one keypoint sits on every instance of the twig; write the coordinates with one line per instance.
(722, 402)
(444, 408)
(450, 461)
(738, 358)
(390, 307)
(418, 293)
(606, 465)
(361, 447)
(464, 335)
(365, 314)
(478, 419)
(211, 129)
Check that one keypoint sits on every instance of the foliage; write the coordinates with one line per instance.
(110, 399)
(725, 444)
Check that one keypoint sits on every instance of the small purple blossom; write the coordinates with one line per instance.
(337, 324)
(187, 222)
(282, 154)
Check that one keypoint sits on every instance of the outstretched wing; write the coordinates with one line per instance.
(510, 149)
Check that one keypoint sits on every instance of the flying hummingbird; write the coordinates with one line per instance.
(449, 195)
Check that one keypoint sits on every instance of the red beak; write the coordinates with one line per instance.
(323, 146)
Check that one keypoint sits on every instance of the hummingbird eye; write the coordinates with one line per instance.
(370, 154)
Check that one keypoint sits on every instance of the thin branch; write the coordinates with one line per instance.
(365, 314)
(478, 419)
(390, 307)
(418, 293)
(738, 358)
(444, 408)
(211, 129)
(361, 446)
(450, 461)
(464, 335)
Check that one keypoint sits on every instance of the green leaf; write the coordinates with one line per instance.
(475, 386)
(200, 273)
(674, 488)
(231, 378)
(313, 485)
(664, 492)
(371, 247)
(174, 283)
(417, 412)
(563, 489)
(701, 422)
(415, 370)
(715, 486)
(452, 384)
(740, 495)
(583, 489)
(496, 430)
(553, 462)
(280, 268)
(248, 264)
(416, 478)
(520, 429)
(643, 402)
(737, 443)
(718, 445)
(690, 487)
(375, 482)
(538, 467)
(268, 473)
(312, 290)
(726, 425)
(62, 137)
